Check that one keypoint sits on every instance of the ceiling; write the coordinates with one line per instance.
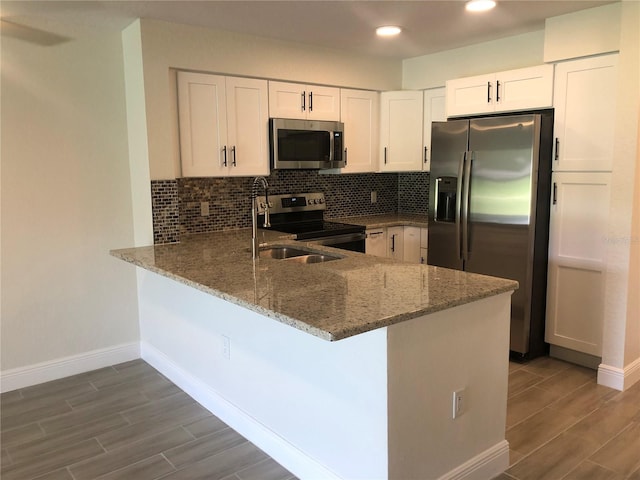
(429, 26)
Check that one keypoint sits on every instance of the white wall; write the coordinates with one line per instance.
(434, 70)
(65, 202)
(167, 45)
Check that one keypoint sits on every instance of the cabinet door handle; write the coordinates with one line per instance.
(488, 92)
(233, 154)
(304, 101)
(555, 193)
(425, 154)
(393, 242)
(497, 91)
(311, 101)
(556, 157)
(385, 155)
(224, 156)
(345, 157)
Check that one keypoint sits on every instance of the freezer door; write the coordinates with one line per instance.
(449, 142)
(502, 199)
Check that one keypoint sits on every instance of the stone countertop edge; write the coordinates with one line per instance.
(383, 220)
(182, 263)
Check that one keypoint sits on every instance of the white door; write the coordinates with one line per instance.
(287, 100)
(202, 124)
(411, 244)
(471, 95)
(434, 111)
(577, 261)
(584, 114)
(395, 243)
(360, 110)
(401, 131)
(323, 103)
(247, 122)
(524, 88)
(376, 242)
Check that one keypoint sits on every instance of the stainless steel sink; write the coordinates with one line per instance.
(296, 255)
(282, 252)
(313, 258)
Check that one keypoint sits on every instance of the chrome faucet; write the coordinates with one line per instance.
(255, 245)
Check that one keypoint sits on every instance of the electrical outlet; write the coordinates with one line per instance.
(226, 347)
(374, 197)
(204, 209)
(459, 403)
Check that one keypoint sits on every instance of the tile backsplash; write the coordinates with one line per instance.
(177, 204)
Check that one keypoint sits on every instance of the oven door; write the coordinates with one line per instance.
(348, 241)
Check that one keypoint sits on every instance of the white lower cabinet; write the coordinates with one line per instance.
(577, 260)
(424, 242)
(407, 243)
(376, 242)
(411, 245)
(395, 243)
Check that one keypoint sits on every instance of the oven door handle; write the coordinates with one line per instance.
(333, 239)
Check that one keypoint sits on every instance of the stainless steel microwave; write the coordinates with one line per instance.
(301, 144)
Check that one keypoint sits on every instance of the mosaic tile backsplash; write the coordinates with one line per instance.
(177, 204)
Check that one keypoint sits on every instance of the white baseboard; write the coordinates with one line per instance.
(488, 464)
(619, 378)
(64, 367)
(278, 448)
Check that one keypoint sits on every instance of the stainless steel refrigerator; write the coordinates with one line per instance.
(489, 209)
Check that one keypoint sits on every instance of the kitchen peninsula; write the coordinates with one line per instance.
(342, 369)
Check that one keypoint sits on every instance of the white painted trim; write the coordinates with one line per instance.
(64, 367)
(619, 378)
(488, 464)
(290, 457)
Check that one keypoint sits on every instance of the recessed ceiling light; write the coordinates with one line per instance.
(480, 5)
(388, 30)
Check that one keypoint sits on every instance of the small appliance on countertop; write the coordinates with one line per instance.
(302, 214)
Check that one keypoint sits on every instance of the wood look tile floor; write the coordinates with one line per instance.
(129, 422)
(119, 423)
(562, 425)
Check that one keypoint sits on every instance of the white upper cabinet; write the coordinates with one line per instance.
(434, 111)
(506, 91)
(310, 102)
(223, 125)
(360, 113)
(584, 114)
(401, 117)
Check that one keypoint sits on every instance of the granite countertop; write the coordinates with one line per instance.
(331, 300)
(386, 220)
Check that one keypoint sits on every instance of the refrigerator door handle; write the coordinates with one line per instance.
(465, 205)
(459, 203)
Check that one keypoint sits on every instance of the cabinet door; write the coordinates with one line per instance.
(395, 243)
(360, 113)
(401, 131)
(287, 100)
(411, 244)
(524, 88)
(202, 124)
(247, 125)
(434, 111)
(584, 114)
(376, 242)
(424, 243)
(577, 249)
(323, 103)
(471, 95)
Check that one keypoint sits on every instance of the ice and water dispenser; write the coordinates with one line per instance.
(446, 190)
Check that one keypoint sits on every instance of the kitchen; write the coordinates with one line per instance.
(44, 190)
